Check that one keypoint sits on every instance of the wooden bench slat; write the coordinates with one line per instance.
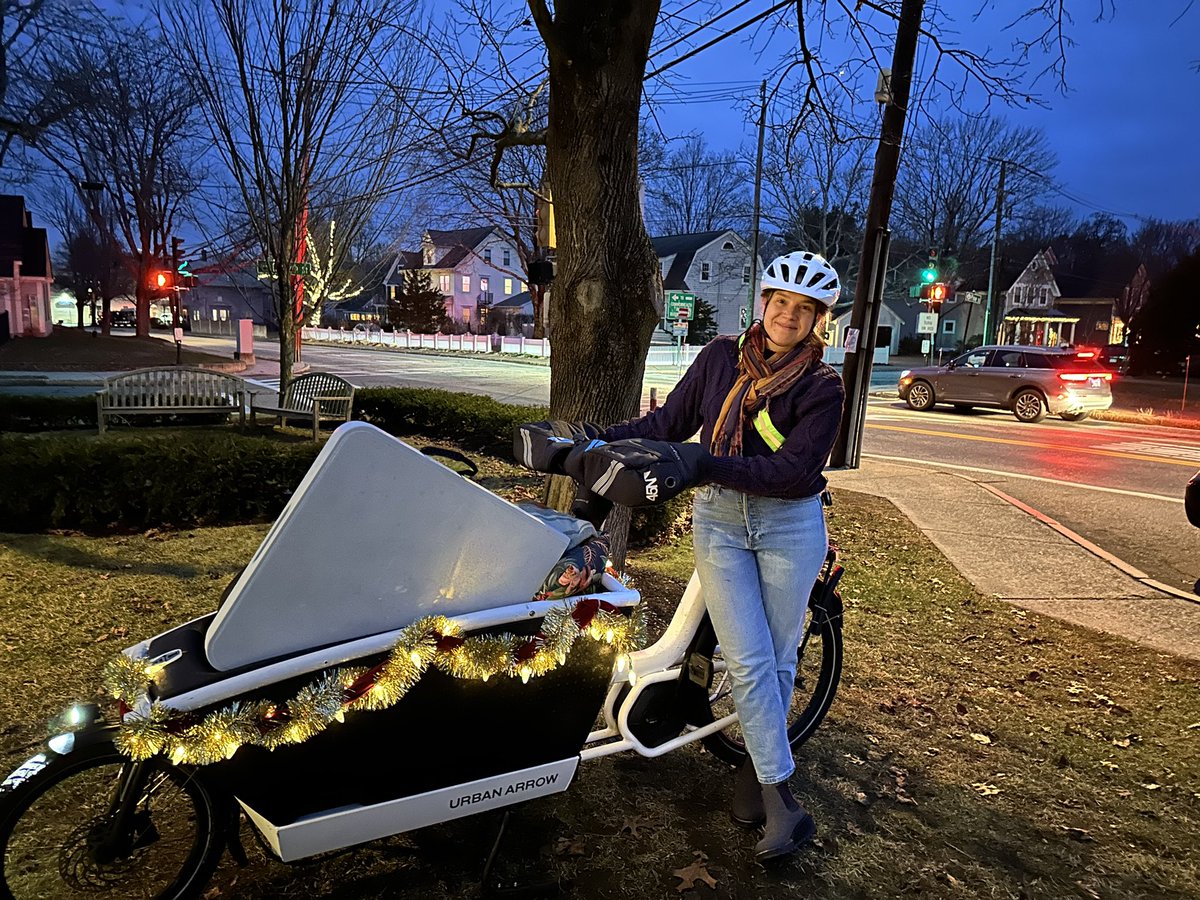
(171, 389)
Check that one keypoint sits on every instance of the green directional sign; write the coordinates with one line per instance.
(677, 301)
(300, 269)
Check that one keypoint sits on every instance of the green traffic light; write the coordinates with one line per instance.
(929, 276)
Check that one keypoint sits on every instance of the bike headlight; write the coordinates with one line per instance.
(75, 717)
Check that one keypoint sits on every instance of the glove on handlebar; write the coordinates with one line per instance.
(543, 446)
(638, 472)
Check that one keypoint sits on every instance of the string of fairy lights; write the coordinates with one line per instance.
(432, 642)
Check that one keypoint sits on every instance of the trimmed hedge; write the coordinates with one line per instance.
(472, 421)
(21, 413)
(128, 481)
(135, 482)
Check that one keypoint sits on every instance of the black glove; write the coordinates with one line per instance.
(543, 446)
(637, 472)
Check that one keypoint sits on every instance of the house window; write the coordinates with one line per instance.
(466, 284)
(745, 274)
(507, 287)
(507, 257)
(705, 271)
(1045, 296)
(728, 245)
(487, 255)
(524, 288)
(466, 315)
(483, 285)
(948, 326)
(444, 284)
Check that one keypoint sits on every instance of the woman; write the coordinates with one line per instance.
(767, 409)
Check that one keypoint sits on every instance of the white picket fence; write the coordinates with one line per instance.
(407, 340)
(658, 355)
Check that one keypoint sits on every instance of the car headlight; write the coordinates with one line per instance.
(905, 374)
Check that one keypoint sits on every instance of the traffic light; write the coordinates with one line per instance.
(161, 280)
(937, 294)
(930, 273)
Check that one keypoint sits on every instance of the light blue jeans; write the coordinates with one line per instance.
(757, 558)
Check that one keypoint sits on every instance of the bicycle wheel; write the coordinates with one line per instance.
(818, 671)
(52, 831)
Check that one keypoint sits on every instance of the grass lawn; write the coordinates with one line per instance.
(975, 750)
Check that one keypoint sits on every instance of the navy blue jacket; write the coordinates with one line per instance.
(807, 415)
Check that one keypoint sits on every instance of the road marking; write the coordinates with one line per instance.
(1177, 451)
(1053, 481)
(1094, 451)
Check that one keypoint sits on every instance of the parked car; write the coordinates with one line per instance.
(1029, 381)
(126, 317)
(1114, 357)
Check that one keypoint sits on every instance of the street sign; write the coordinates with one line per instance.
(301, 268)
(679, 329)
(927, 323)
(679, 300)
(743, 317)
(925, 346)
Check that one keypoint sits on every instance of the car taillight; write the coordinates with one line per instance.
(1084, 376)
(1085, 354)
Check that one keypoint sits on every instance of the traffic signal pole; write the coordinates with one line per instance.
(868, 292)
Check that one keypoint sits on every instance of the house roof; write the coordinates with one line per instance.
(1039, 313)
(20, 242)
(457, 243)
(244, 277)
(515, 302)
(359, 303)
(683, 247)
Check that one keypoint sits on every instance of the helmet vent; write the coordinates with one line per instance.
(785, 272)
(816, 278)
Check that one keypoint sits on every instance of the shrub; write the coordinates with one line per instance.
(22, 413)
(472, 421)
(136, 481)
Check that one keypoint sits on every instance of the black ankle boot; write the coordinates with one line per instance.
(789, 826)
(747, 807)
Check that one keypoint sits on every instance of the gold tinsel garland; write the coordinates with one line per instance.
(200, 739)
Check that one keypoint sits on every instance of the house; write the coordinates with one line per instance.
(512, 316)
(715, 266)
(358, 310)
(25, 272)
(892, 325)
(1047, 307)
(473, 268)
(222, 295)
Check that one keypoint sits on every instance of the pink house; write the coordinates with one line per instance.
(25, 272)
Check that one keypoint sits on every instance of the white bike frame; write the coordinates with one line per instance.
(659, 662)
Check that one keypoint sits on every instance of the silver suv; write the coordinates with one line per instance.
(1029, 381)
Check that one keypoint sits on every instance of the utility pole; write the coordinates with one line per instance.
(987, 310)
(762, 130)
(868, 292)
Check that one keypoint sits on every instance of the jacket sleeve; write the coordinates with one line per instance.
(680, 415)
(804, 452)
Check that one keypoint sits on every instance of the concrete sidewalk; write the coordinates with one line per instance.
(1008, 553)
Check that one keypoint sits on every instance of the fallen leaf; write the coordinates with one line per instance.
(635, 825)
(987, 790)
(1080, 834)
(861, 798)
(1151, 786)
(1120, 742)
(980, 738)
(697, 871)
(569, 846)
(854, 831)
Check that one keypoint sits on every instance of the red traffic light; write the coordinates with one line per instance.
(160, 280)
(937, 292)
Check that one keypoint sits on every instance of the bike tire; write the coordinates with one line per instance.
(823, 629)
(45, 825)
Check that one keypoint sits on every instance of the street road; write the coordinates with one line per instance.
(1120, 486)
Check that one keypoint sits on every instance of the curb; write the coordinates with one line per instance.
(1132, 571)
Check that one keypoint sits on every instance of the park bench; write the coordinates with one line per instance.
(170, 390)
(317, 397)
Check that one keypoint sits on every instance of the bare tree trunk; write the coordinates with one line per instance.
(602, 306)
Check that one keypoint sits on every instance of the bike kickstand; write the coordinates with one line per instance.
(490, 888)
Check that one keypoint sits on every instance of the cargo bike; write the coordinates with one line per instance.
(333, 703)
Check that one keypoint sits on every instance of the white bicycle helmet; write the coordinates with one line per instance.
(803, 273)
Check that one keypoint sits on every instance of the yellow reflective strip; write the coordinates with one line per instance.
(767, 430)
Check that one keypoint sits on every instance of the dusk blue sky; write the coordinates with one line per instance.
(1126, 132)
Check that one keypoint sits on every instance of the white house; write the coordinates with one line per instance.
(25, 271)
(715, 266)
(473, 268)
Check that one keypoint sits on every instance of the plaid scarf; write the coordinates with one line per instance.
(759, 379)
